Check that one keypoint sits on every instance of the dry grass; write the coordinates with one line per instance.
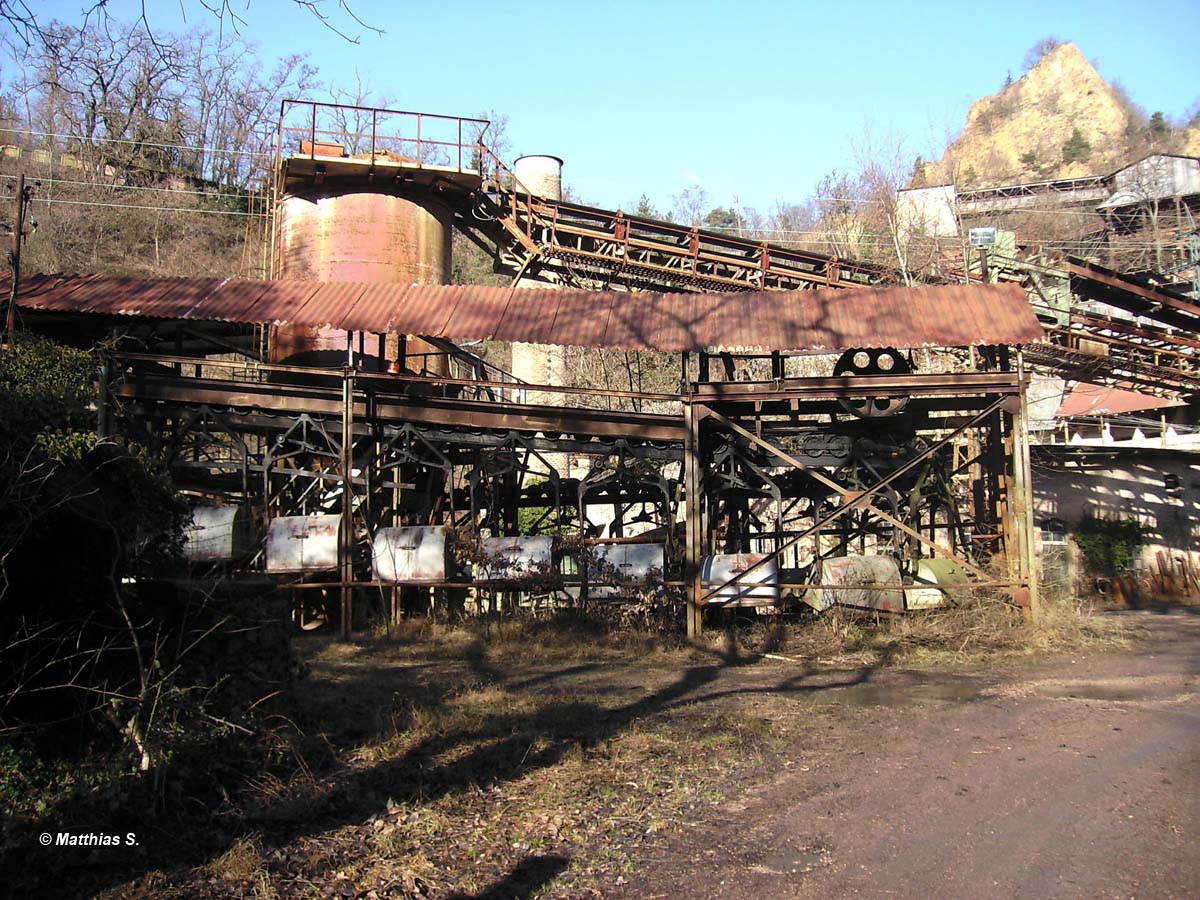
(977, 628)
(454, 762)
(242, 870)
(456, 792)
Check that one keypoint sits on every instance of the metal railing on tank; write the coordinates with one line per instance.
(342, 131)
(328, 132)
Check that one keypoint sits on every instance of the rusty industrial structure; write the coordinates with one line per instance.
(334, 433)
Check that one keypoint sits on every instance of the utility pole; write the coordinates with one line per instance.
(22, 198)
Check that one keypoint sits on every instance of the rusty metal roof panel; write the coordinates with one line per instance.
(945, 316)
(329, 305)
(477, 315)
(128, 295)
(1098, 400)
(530, 318)
(425, 310)
(378, 303)
(282, 301)
(582, 318)
(743, 321)
(47, 292)
(632, 321)
(173, 299)
(233, 301)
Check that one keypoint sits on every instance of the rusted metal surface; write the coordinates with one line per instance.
(1095, 400)
(944, 316)
(855, 577)
(1095, 282)
(913, 385)
(303, 544)
(362, 236)
(344, 236)
(458, 413)
(410, 555)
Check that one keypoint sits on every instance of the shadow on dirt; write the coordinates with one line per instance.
(370, 700)
(529, 877)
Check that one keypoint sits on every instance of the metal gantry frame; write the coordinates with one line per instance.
(990, 406)
(754, 467)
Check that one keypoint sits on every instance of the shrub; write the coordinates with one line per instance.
(1109, 546)
(1076, 147)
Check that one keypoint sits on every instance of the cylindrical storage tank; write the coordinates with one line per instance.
(355, 235)
(216, 534)
(618, 569)
(540, 175)
(849, 581)
(510, 558)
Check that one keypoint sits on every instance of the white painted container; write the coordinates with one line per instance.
(216, 534)
(848, 580)
(759, 588)
(931, 572)
(417, 554)
(510, 558)
(303, 544)
(620, 567)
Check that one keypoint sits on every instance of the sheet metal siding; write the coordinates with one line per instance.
(943, 316)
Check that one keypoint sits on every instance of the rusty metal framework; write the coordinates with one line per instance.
(534, 237)
(743, 469)
(788, 473)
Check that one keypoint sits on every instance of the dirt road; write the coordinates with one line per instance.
(1077, 779)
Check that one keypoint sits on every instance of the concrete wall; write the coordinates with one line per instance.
(1126, 484)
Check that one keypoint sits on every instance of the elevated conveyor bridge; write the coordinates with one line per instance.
(532, 237)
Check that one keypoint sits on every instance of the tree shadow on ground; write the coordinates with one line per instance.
(531, 875)
(489, 750)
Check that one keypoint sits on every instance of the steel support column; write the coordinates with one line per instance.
(692, 470)
(1022, 501)
(346, 545)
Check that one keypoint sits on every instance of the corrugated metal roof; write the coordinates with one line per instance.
(1097, 400)
(941, 316)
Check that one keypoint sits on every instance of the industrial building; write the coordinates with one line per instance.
(830, 437)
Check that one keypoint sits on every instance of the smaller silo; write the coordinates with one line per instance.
(541, 175)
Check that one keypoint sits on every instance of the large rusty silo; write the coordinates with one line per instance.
(355, 233)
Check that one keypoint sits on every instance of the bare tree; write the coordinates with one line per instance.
(690, 206)
(1035, 53)
(25, 28)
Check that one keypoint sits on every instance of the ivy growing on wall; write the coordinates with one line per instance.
(1109, 546)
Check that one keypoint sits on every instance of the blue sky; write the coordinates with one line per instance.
(754, 99)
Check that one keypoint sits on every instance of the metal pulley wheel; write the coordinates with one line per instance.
(872, 361)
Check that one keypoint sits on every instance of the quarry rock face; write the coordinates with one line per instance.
(1018, 134)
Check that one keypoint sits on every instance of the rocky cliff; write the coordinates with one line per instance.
(1061, 120)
